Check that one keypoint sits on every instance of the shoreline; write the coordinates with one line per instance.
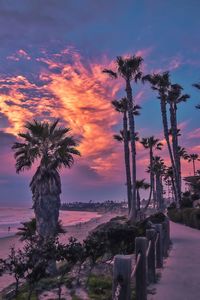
(80, 232)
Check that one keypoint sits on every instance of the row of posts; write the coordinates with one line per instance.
(159, 235)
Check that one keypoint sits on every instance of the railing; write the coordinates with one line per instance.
(149, 253)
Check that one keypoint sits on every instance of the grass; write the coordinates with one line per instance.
(100, 288)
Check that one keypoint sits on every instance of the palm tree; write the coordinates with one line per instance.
(140, 185)
(129, 70)
(192, 158)
(151, 143)
(125, 138)
(28, 230)
(169, 178)
(161, 83)
(197, 85)
(176, 97)
(158, 168)
(121, 106)
(53, 148)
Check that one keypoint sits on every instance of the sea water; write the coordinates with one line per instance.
(12, 217)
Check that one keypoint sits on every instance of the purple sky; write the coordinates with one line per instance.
(51, 57)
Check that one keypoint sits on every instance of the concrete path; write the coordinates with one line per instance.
(180, 278)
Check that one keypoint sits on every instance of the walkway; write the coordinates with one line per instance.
(180, 278)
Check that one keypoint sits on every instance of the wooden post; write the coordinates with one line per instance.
(122, 274)
(159, 246)
(141, 272)
(151, 259)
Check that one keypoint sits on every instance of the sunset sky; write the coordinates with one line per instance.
(51, 59)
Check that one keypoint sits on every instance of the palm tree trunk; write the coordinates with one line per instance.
(46, 209)
(151, 172)
(158, 191)
(132, 215)
(127, 160)
(173, 119)
(154, 192)
(138, 200)
(194, 169)
(166, 134)
(152, 187)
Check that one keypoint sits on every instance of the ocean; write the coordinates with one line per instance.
(11, 218)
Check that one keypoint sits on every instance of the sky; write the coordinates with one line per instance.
(51, 59)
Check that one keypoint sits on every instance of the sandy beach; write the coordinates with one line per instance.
(79, 231)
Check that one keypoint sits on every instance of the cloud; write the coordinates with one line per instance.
(195, 134)
(79, 94)
(20, 54)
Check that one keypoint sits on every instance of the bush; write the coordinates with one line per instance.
(175, 215)
(114, 237)
(187, 216)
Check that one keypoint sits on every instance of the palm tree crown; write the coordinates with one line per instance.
(51, 145)
(128, 68)
(151, 142)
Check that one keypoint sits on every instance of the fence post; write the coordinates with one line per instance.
(141, 272)
(122, 274)
(159, 246)
(151, 259)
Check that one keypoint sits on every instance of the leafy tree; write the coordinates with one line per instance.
(54, 148)
(15, 265)
(129, 68)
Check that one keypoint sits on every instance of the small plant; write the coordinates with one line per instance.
(100, 287)
(14, 265)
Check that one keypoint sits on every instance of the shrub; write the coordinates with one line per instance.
(175, 215)
(188, 216)
(114, 237)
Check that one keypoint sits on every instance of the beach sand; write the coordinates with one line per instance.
(79, 231)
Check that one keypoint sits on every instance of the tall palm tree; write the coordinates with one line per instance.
(161, 83)
(176, 97)
(130, 70)
(169, 177)
(151, 143)
(140, 185)
(192, 158)
(122, 107)
(53, 148)
(158, 168)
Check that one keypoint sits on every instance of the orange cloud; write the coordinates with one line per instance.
(80, 95)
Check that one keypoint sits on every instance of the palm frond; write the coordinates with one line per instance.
(110, 73)
(196, 85)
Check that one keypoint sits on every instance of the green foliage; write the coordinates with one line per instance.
(186, 200)
(114, 237)
(157, 218)
(187, 216)
(100, 287)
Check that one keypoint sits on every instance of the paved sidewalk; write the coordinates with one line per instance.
(180, 278)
